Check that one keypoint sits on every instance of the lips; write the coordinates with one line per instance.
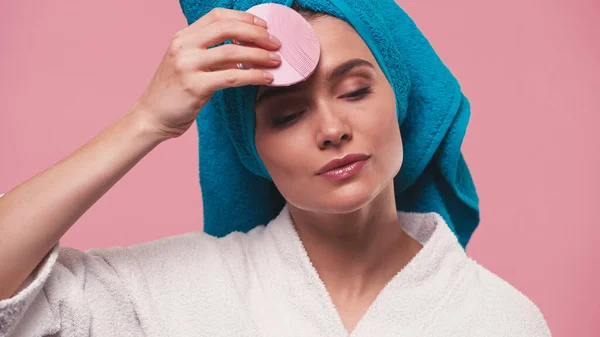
(342, 162)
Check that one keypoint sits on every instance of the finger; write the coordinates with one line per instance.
(223, 57)
(230, 54)
(217, 14)
(222, 30)
(193, 35)
(217, 80)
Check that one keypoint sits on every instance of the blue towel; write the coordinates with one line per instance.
(433, 114)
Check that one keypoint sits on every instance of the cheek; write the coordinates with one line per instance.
(287, 159)
(392, 129)
(392, 146)
(383, 132)
(379, 123)
(283, 153)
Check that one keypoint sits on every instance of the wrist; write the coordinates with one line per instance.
(145, 126)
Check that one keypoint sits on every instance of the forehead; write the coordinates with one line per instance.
(339, 40)
(339, 43)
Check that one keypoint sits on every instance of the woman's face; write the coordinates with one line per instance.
(346, 107)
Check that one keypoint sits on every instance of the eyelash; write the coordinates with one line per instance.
(353, 97)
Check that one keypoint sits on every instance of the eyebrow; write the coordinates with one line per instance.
(337, 72)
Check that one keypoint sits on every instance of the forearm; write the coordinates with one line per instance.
(38, 212)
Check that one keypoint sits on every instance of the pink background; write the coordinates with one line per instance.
(530, 68)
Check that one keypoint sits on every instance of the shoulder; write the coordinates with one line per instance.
(503, 309)
(193, 268)
(195, 248)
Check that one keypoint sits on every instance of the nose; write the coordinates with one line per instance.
(333, 130)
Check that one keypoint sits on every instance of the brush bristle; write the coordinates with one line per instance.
(299, 43)
(300, 49)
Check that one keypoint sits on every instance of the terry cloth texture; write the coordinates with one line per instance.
(260, 283)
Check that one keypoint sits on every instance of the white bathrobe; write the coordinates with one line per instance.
(260, 284)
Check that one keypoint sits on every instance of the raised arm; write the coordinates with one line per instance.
(37, 213)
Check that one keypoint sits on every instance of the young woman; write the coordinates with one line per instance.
(338, 259)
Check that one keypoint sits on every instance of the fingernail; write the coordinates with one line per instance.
(274, 56)
(274, 39)
(260, 22)
(268, 76)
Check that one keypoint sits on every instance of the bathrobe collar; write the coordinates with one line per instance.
(410, 297)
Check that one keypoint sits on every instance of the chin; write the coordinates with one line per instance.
(349, 197)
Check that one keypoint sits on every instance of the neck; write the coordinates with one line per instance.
(357, 252)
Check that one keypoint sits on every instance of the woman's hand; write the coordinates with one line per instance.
(190, 73)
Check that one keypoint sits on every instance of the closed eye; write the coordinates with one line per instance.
(358, 94)
(279, 122)
(352, 96)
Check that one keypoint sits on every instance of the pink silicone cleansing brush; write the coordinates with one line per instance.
(300, 49)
